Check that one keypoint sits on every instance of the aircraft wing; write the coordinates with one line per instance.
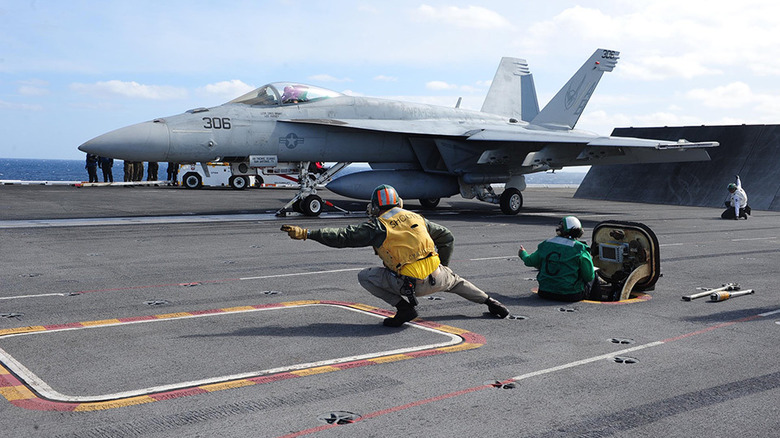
(519, 134)
(535, 136)
(632, 142)
(415, 127)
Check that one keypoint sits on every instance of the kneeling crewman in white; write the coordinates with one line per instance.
(415, 253)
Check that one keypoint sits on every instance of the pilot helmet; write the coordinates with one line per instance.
(569, 226)
(732, 187)
(382, 198)
(290, 92)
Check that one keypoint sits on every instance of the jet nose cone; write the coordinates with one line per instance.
(148, 141)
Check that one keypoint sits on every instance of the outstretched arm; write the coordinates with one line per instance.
(353, 236)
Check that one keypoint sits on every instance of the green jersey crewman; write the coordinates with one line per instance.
(564, 263)
(414, 251)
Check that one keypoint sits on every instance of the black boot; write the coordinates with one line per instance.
(496, 309)
(405, 313)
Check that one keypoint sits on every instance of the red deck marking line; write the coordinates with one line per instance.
(473, 338)
(116, 289)
(177, 393)
(355, 364)
(207, 312)
(425, 353)
(272, 378)
(8, 380)
(275, 305)
(424, 402)
(540, 372)
(39, 404)
(63, 326)
(711, 328)
(390, 410)
(18, 392)
(136, 318)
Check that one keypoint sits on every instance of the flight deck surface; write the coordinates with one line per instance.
(159, 311)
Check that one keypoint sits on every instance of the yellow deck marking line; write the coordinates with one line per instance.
(31, 392)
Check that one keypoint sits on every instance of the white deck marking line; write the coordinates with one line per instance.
(585, 361)
(47, 392)
(301, 273)
(616, 353)
(492, 258)
(33, 296)
(244, 278)
(146, 220)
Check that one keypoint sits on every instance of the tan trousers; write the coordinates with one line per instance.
(383, 284)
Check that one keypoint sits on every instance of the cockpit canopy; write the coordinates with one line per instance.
(285, 93)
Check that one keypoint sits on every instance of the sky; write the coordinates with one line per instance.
(72, 70)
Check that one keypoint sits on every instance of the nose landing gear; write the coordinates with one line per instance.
(306, 201)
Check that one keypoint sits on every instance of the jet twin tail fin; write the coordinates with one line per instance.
(563, 111)
(512, 93)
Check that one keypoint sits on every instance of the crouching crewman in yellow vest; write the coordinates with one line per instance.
(415, 253)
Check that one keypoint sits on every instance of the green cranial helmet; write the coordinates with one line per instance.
(732, 187)
(569, 226)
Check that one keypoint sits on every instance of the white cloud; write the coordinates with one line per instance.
(471, 17)
(131, 89)
(739, 96)
(226, 90)
(352, 93)
(657, 68)
(733, 95)
(442, 85)
(32, 90)
(328, 78)
(667, 39)
(19, 106)
(682, 62)
(439, 85)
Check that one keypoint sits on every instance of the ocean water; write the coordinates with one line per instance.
(60, 170)
(73, 170)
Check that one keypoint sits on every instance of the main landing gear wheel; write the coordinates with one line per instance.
(239, 182)
(311, 205)
(511, 201)
(192, 181)
(429, 203)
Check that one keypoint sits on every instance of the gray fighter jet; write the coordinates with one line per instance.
(426, 152)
